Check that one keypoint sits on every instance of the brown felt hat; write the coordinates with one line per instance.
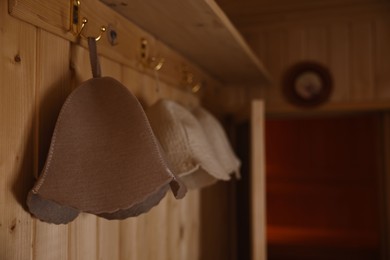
(185, 144)
(104, 158)
(218, 140)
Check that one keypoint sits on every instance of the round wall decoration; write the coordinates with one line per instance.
(307, 84)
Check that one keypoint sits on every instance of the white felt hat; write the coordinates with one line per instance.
(219, 141)
(185, 144)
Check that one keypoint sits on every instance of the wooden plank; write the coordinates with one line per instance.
(339, 61)
(275, 60)
(361, 61)
(128, 239)
(258, 43)
(296, 45)
(257, 182)
(149, 89)
(108, 230)
(17, 99)
(189, 213)
(53, 86)
(155, 231)
(111, 68)
(193, 224)
(54, 17)
(206, 36)
(83, 233)
(386, 183)
(255, 7)
(108, 239)
(216, 223)
(253, 15)
(382, 57)
(141, 237)
(173, 225)
(317, 44)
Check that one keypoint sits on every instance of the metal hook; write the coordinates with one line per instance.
(196, 87)
(188, 81)
(155, 64)
(83, 23)
(150, 62)
(75, 26)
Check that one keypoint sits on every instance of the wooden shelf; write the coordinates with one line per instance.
(200, 31)
(54, 16)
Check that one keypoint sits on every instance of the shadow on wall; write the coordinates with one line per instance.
(36, 146)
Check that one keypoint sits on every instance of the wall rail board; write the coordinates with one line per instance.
(217, 49)
(54, 16)
(200, 31)
(258, 14)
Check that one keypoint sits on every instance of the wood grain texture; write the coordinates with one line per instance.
(361, 66)
(17, 99)
(214, 55)
(83, 243)
(317, 44)
(263, 14)
(174, 226)
(189, 227)
(386, 183)
(216, 217)
(149, 89)
(108, 239)
(197, 30)
(296, 45)
(257, 180)
(128, 239)
(276, 56)
(339, 60)
(108, 233)
(52, 88)
(354, 49)
(155, 220)
(381, 56)
(83, 231)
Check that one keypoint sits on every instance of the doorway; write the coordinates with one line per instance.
(323, 187)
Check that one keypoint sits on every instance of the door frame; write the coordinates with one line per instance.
(257, 182)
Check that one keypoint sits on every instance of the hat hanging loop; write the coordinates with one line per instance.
(93, 57)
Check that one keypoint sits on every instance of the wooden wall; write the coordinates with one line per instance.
(325, 174)
(350, 37)
(37, 71)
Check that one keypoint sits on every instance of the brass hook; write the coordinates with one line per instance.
(150, 62)
(155, 64)
(83, 23)
(75, 26)
(188, 81)
(196, 87)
